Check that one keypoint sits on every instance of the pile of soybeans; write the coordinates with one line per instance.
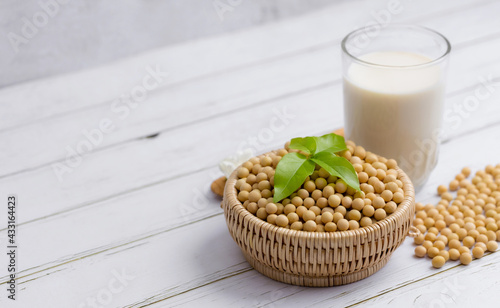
(464, 226)
(324, 202)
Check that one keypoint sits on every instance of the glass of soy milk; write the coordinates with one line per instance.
(393, 80)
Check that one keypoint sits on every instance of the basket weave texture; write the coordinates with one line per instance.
(317, 259)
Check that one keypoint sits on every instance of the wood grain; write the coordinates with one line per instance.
(140, 201)
(120, 255)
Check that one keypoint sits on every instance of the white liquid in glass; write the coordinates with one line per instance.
(396, 111)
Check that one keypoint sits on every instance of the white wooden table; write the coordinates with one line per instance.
(132, 222)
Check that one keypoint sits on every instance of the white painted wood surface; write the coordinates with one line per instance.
(142, 206)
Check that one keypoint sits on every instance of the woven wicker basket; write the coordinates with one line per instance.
(317, 259)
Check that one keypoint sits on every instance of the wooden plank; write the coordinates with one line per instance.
(147, 161)
(175, 264)
(403, 267)
(121, 220)
(114, 234)
(190, 241)
(63, 94)
(189, 200)
(32, 101)
(421, 291)
(219, 96)
(455, 285)
(91, 181)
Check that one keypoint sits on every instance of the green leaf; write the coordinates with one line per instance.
(331, 143)
(291, 172)
(306, 144)
(337, 166)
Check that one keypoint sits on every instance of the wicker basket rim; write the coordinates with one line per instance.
(230, 196)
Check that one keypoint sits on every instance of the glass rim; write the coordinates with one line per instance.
(400, 26)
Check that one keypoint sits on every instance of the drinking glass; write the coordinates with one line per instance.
(393, 84)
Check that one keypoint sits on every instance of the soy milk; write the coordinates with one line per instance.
(394, 108)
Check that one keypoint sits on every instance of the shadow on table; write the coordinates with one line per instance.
(231, 280)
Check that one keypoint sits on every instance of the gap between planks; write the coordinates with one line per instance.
(465, 44)
(286, 54)
(139, 238)
(177, 176)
